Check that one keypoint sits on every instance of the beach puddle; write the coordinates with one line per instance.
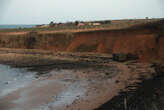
(20, 91)
(11, 79)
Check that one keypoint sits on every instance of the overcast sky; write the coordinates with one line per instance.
(44, 11)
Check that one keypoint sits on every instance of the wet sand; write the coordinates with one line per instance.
(70, 81)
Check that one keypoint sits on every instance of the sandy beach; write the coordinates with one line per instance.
(70, 81)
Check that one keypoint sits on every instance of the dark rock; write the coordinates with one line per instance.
(159, 68)
(117, 81)
(132, 56)
(107, 74)
(122, 57)
(7, 82)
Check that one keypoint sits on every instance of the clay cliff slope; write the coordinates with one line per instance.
(143, 40)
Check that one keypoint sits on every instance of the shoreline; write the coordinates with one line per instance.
(98, 71)
(75, 69)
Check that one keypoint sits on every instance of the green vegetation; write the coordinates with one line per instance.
(58, 28)
(113, 24)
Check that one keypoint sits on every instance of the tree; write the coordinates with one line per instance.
(76, 23)
(52, 24)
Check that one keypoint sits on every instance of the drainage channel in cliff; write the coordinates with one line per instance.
(146, 95)
(11, 79)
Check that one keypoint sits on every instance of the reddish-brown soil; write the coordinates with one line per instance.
(144, 40)
(161, 48)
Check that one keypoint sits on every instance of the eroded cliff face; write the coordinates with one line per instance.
(146, 45)
(54, 42)
(161, 48)
(145, 41)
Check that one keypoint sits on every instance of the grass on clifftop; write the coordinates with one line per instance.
(115, 24)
